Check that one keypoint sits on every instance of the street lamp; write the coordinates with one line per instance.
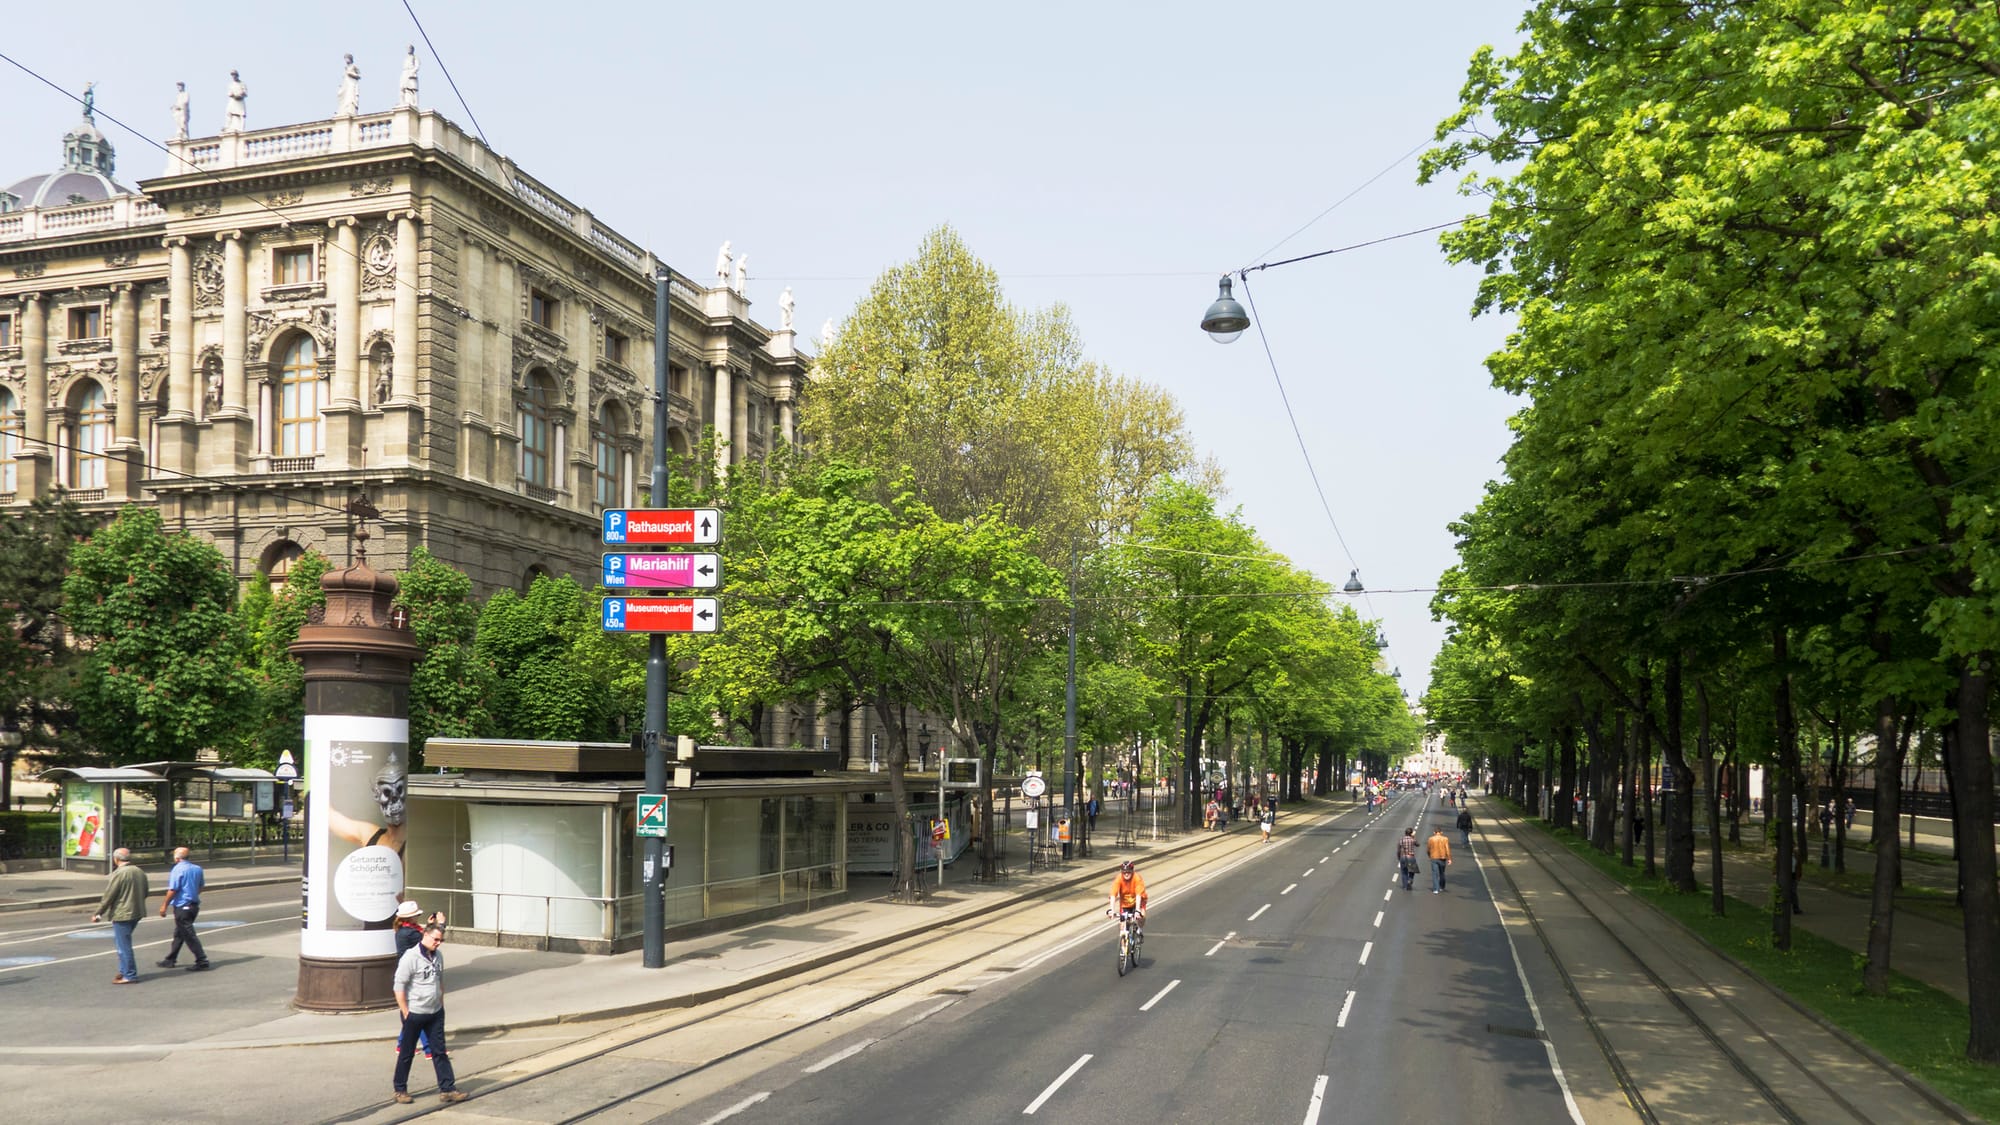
(1225, 320)
(1353, 585)
(1381, 641)
(924, 747)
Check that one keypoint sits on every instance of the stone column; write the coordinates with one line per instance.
(475, 439)
(343, 408)
(786, 421)
(725, 413)
(405, 377)
(357, 732)
(177, 431)
(398, 436)
(126, 457)
(235, 323)
(32, 469)
(739, 423)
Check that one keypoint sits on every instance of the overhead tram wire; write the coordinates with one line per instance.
(1363, 186)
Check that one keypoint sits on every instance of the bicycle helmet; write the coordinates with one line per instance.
(1127, 867)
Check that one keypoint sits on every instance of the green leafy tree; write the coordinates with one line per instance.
(38, 668)
(451, 685)
(532, 642)
(271, 622)
(166, 671)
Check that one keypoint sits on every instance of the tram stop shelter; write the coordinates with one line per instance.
(95, 810)
(533, 844)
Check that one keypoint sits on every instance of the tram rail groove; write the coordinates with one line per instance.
(622, 1037)
(1537, 852)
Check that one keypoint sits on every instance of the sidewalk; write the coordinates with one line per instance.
(493, 988)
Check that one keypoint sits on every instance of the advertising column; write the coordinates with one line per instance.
(357, 760)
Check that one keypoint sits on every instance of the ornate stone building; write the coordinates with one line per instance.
(375, 303)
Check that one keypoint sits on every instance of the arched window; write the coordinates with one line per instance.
(298, 399)
(91, 439)
(537, 431)
(610, 460)
(10, 443)
(278, 560)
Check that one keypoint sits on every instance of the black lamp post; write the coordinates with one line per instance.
(10, 743)
(924, 746)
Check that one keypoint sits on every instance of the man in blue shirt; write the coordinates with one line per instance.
(184, 899)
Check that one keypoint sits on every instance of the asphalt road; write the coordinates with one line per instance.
(1302, 985)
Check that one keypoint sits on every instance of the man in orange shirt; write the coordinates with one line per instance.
(1128, 892)
(1440, 853)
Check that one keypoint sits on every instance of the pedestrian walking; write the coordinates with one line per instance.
(419, 987)
(1406, 857)
(1440, 853)
(1850, 814)
(124, 902)
(1266, 823)
(184, 885)
(410, 924)
(1465, 827)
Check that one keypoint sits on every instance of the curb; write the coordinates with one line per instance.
(87, 900)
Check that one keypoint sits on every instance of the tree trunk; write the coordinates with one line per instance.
(1716, 898)
(1645, 733)
(1888, 850)
(905, 885)
(1628, 753)
(1565, 803)
(1603, 798)
(1843, 743)
(1971, 776)
(1680, 806)
(1787, 773)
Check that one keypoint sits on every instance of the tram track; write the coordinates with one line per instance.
(1185, 870)
(1537, 852)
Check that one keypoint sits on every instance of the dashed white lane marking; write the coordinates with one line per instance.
(1324, 858)
(1309, 872)
(1378, 919)
(1056, 1085)
(1345, 1006)
(1260, 910)
(1319, 1096)
(838, 1056)
(927, 1013)
(739, 1107)
(1159, 996)
(1289, 888)
(1386, 895)
(1218, 945)
(1366, 949)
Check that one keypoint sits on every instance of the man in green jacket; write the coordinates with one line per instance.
(123, 902)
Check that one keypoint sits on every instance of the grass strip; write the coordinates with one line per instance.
(1916, 1026)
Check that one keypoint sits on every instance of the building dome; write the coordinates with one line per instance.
(85, 176)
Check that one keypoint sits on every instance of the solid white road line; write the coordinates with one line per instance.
(739, 1107)
(1345, 1006)
(1056, 1085)
(1289, 889)
(1159, 996)
(1378, 919)
(1528, 991)
(1319, 1097)
(837, 1056)
(1260, 910)
(1220, 944)
(1366, 949)
(927, 1013)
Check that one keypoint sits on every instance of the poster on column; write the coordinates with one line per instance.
(357, 778)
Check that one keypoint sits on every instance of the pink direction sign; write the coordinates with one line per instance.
(660, 615)
(680, 572)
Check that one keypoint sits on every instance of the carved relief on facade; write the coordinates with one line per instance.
(122, 258)
(316, 322)
(378, 259)
(152, 375)
(201, 207)
(30, 269)
(284, 198)
(374, 186)
(495, 221)
(208, 277)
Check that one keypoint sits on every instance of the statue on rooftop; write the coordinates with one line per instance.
(232, 120)
(408, 98)
(722, 264)
(826, 334)
(180, 111)
(90, 102)
(350, 90)
(786, 306)
(742, 272)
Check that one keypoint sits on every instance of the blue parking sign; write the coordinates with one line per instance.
(614, 528)
(614, 615)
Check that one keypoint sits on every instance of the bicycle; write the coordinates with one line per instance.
(1130, 937)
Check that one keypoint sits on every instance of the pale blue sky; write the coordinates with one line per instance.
(1113, 157)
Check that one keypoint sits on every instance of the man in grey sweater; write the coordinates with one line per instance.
(123, 902)
(420, 998)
